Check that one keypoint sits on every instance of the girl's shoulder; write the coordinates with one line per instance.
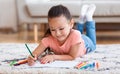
(47, 37)
(75, 32)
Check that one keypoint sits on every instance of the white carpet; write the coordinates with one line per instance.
(107, 55)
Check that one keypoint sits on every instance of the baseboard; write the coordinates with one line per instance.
(107, 26)
(6, 30)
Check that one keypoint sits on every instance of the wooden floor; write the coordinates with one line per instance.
(103, 37)
(108, 37)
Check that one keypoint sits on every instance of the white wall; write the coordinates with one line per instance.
(8, 18)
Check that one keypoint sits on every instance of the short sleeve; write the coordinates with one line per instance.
(45, 42)
(76, 37)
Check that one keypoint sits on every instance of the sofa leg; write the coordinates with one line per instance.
(25, 29)
(35, 32)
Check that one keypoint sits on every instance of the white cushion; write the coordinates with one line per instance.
(105, 8)
(42, 8)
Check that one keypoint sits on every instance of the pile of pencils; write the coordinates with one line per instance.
(86, 65)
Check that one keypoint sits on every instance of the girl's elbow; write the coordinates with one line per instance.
(73, 57)
(77, 55)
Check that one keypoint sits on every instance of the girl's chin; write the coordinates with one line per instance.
(61, 40)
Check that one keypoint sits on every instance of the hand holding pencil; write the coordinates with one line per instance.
(32, 58)
(30, 61)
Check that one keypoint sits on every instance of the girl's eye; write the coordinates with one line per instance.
(52, 30)
(61, 28)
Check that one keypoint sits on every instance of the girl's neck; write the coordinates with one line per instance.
(62, 42)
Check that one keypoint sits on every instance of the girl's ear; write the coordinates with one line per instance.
(71, 23)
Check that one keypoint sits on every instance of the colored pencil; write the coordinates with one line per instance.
(29, 50)
(21, 62)
(80, 65)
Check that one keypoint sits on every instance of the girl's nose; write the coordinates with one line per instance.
(57, 33)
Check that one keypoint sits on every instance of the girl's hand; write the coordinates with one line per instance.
(31, 60)
(47, 59)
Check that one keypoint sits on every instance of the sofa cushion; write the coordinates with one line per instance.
(42, 8)
(105, 8)
(106, 11)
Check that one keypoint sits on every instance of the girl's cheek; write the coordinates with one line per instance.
(53, 34)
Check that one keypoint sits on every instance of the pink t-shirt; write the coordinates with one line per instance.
(74, 38)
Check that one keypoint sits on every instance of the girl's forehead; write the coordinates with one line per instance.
(57, 25)
(59, 18)
(60, 21)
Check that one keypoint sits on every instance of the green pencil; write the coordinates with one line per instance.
(29, 50)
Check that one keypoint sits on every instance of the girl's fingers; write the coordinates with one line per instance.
(35, 57)
(43, 60)
(31, 60)
(46, 59)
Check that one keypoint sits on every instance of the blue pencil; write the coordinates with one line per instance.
(92, 65)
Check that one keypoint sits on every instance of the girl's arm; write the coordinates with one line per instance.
(75, 51)
(40, 48)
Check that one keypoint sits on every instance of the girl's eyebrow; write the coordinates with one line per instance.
(58, 27)
(52, 28)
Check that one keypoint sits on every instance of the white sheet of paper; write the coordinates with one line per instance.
(58, 64)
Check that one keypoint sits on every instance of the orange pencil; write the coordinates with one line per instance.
(80, 65)
(21, 62)
(97, 65)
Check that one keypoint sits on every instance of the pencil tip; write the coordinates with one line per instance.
(16, 64)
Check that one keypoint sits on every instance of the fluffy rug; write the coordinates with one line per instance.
(107, 55)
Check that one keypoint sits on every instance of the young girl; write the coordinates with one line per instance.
(66, 42)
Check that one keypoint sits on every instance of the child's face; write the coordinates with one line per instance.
(60, 28)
